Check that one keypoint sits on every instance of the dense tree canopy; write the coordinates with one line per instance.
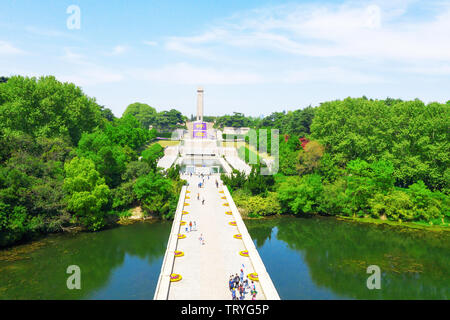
(385, 159)
(66, 161)
(167, 121)
(45, 107)
(410, 134)
(237, 119)
(145, 114)
(87, 192)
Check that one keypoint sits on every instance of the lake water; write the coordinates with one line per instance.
(320, 258)
(119, 263)
(324, 258)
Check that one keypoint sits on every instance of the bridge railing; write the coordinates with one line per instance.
(267, 286)
(163, 286)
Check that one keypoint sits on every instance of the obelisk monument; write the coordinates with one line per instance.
(200, 104)
(200, 128)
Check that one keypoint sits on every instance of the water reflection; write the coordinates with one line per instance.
(120, 263)
(325, 258)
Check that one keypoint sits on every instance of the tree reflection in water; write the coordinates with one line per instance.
(324, 258)
(26, 273)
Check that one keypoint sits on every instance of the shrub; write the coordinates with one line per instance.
(263, 206)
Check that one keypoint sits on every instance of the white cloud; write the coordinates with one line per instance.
(349, 30)
(73, 57)
(119, 49)
(150, 43)
(188, 74)
(44, 31)
(183, 73)
(94, 75)
(330, 75)
(7, 48)
(85, 72)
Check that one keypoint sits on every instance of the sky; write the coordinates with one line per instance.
(250, 56)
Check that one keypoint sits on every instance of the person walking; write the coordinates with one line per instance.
(195, 226)
(203, 201)
(198, 196)
(242, 276)
(236, 280)
(233, 294)
(201, 238)
(190, 225)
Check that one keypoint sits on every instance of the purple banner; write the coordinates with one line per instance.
(199, 125)
(200, 134)
(200, 130)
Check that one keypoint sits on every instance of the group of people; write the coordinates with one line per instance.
(240, 286)
(192, 226)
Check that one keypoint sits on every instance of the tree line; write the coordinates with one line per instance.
(386, 159)
(164, 121)
(67, 161)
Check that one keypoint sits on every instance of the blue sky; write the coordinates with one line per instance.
(250, 56)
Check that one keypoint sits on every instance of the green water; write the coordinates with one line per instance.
(320, 258)
(324, 258)
(120, 263)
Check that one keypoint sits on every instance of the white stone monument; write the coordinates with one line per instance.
(200, 104)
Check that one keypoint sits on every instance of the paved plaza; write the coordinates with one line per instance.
(206, 268)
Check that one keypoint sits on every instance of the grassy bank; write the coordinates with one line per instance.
(414, 225)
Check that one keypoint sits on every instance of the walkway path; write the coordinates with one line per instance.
(206, 268)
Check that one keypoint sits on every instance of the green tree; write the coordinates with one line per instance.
(427, 204)
(127, 131)
(109, 158)
(46, 107)
(309, 159)
(288, 159)
(152, 154)
(396, 205)
(156, 194)
(301, 195)
(411, 135)
(169, 120)
(145, 114)
(88, 195)
(364, 180)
